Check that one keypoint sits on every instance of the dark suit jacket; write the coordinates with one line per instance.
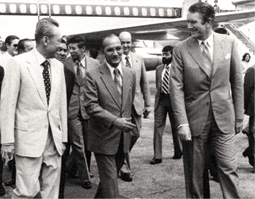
(69, 67)
(1, 76)
(194, 91)
(249, 88)
(103, 106)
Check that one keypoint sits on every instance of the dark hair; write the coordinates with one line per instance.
(44, 28)
(167, 49)
(205, 9)
(245, 54)
(9, 39)
(21, 44)
(221, 31)
(77, 39)
(93, 52)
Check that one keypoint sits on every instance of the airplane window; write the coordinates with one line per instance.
(161, 12)
(108, 10)
(177, 12)
(169, 12)
(144, 12)
(23, 8)
(89, 10)
(44, 9)
(33, 8)
(13, 8)
(153, 12)
(56, 9)
(99, 10)
(78, 10)
(126, 11)
(2, 8)
(117, 11)
(68, 9)
(135, 11)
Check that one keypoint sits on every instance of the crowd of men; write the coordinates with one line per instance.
(59, 105)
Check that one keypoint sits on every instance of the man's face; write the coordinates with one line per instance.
(113, 51)
(166, 57)
(199, 29)
(54, 42)
(62, 52)
(13, 47)
(76, 52)
(126, 43)
(28, 45)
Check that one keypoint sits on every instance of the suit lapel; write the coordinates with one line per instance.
(55, 75)
(109, 84)
(195, 52)
(217, 52)
(126, 86)
(160, 71)
(36, 74)
(134, 60)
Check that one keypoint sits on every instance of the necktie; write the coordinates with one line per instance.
(207, 57)
(127, 62)
(79, 74)
(118, 82)
(165, 82)
(46, 78)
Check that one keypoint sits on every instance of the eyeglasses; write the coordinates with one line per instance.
(111, 50)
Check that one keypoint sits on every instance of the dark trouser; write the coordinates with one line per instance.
(250, 150)
(1, 168)
(195, 153)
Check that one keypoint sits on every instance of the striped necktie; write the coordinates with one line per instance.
(165, 82)
(206, 57)
(127, 62)
(46, 79)
(79, 74)
(118, 82)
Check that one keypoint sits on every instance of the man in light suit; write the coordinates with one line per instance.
(163, 107)
(34, 114)
(109, 96)
(77, 115)
(207, 98)
(142, 99)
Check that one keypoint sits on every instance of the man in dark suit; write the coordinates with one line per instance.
(207, 98)
(109, 96)
(142, 101)
(163, 107)
(249, 88)
(76, 67)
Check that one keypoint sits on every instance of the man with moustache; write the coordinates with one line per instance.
(207, 97)
(109, 96)
(163, 107)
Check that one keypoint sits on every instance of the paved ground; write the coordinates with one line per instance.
(165, 180)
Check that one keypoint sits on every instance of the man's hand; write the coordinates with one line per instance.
(238, 126)
(184, 133)
(146, 112)
(7, 152)
(124, 124)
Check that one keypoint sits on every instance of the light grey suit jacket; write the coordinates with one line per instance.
(25, 115)
(103, 105)
(193, 90)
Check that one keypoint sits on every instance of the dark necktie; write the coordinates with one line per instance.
(118, 82)
(127, 62)
(207, 57)
(79, 73)
(46, 78)
(165, 82)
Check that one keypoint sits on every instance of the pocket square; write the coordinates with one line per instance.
(227, 56)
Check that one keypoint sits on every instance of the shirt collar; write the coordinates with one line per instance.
(112, 69)
(39, 56)
(83, 62)
(208, 41)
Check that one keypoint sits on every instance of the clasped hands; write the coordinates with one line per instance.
(7, 152)
(124, 124)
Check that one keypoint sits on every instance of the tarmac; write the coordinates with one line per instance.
(165, 180)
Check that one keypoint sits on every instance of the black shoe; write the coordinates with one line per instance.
(246, 152)
(86, 184)
(91, 175)
(177, 156)
(126, 176)
(10, 182)
(2, 190)
(155, 161)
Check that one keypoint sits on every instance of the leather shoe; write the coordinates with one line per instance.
(126, 176)
(177, 156)
(10, 182)
(155, 161)
(91, 175)
(2, 190)
(86, 184)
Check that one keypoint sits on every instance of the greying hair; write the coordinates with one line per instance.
(205, 9)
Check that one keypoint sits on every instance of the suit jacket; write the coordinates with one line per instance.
(142, 92)
(249, 88)
(77, 105)
(1, 77)
(103, 106)
(194, 91)
(25, 115)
